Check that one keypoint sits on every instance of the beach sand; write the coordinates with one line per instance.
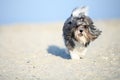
(37, 52)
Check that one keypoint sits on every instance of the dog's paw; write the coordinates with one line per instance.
(74, 55)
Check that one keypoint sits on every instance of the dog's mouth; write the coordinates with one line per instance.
(80, 34)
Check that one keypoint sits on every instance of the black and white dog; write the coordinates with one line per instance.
(78, 32)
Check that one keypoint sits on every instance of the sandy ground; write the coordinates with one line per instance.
(37, 52)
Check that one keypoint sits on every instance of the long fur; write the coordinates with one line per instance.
(76, 22)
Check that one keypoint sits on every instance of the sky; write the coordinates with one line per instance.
(41, 11)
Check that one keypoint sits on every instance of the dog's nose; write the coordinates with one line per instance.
(81, 31)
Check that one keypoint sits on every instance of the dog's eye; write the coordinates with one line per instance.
(85, 26)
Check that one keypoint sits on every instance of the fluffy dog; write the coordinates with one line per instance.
(78, 32)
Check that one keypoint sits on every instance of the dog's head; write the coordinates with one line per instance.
(82, 29)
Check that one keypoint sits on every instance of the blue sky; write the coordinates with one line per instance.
(38, 11)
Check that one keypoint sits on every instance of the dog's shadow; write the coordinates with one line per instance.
(57, 51)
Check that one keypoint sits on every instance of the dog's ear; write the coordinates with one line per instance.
(88, 20)
(80, 11)
(93, 32)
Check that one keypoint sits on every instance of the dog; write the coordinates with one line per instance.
(78, 31)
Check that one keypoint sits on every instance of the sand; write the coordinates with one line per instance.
(37, 52)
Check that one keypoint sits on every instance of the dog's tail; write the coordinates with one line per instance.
(80, 11)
